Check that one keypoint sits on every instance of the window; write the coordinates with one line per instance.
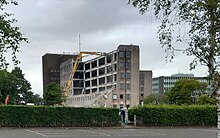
(121, 54)
(128, 75)
(142, 95)
(121, 75)
(128, 96)
(121, 86)
(121, 96)
(121, 65)
(128, 65)
(128, 54)
(114, 96)
(128, 86)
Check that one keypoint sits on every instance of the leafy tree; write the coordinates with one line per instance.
(53, 94)
(185, 91)
(7, 86)
(202, 18)
(206, 99)
(10, 35)
(155, 98)
(36, 99)
(16, 86)
(23, 86)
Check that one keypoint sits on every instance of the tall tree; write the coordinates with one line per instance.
(23, 86)
(203, 20)
(10, 35)
(53, 94)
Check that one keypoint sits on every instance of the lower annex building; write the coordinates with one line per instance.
(163, 84)
(110, 80)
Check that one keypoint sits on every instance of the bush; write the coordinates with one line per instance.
(173, 115)
(44, 116)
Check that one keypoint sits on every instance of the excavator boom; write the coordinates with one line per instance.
(75, 66)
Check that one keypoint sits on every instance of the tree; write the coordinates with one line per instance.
(155, 98)
(206, 99)
(16, 86)
(186, 91)
(53, 94)
(8, 86)
(202, 17)
(36, 99)
(10, 35)
(23, 86)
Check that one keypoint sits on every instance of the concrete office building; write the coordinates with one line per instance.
(163, 84)
(51, 67)
(110, 80)
(145, 84)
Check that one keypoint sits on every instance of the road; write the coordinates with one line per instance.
(107, 133)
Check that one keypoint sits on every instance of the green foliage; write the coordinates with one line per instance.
(173, 115)
(42, 116)
(23, 86)
(205, 99)
(16, 86)
(10, 35)
(202, 30)
(53, 94)
(155, 99)
(7, 86)
(186, 91)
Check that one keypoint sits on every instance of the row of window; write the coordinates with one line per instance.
(121, 86)
(126, 54)
(121, 96)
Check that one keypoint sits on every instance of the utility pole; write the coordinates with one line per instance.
(79, 44)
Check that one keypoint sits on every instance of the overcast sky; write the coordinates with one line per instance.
(53, 26)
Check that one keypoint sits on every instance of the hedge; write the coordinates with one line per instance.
(43, 116)
(173, 115)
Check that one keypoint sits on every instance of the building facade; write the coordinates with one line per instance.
(51, 67)
(163, 84)
(145, 84)
(109, 80)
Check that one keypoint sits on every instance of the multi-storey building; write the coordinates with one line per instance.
(145, 84)
(163, 84)
(51, 67)
(108, 80)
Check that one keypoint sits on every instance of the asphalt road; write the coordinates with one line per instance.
(107, 133)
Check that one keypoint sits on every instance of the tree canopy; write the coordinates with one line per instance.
(186, 91)
(202, 31)
(16, 86)
(10, 35)
(53, 94)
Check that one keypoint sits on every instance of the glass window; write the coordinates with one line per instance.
(128, 64)
(128, 86)
(121, 86)
(121, 75)
(128, 75)
(128, 54)
(128, 96)
(121, 54)
(121, 65)
(114, 97)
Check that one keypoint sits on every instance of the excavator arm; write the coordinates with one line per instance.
(74, 68)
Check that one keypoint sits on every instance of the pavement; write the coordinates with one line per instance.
(116, 132)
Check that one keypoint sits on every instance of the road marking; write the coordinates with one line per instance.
(36, 133)
(103, 134)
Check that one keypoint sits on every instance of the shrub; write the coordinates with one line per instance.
(44, 116)
(173, 115)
